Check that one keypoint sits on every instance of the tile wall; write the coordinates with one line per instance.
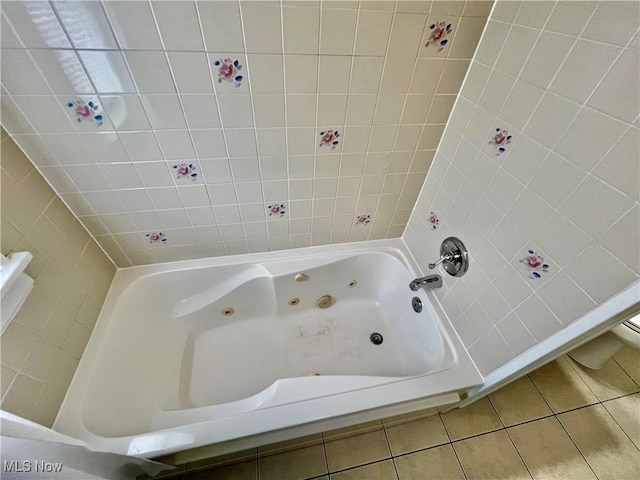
(538, 173)
(178, 130)
(42, 346)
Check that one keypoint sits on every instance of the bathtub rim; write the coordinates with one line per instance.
(69, 421)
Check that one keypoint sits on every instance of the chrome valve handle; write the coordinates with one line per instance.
(453, 257)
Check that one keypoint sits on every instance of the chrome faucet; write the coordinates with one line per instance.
(430, 281)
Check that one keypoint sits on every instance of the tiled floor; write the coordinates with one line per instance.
(561, 421)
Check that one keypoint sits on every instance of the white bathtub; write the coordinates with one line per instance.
(166, 370)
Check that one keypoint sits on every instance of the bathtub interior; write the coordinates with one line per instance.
(169, 353)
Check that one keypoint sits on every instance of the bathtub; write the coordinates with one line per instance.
(233, 350)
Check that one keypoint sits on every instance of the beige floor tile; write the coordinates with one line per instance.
(490, 456)
(626, 412)
(609, 382)
(375, 471)
(294, 464)
(602, 442)
(356, 450)
(477, 418)
(519, 402)
(561, 386)
(247, 470)
(629, 359)
(548, 451)
(409, 437)
(433, 464)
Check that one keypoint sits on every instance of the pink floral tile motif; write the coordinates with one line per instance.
(433, 221)
(276, 210)
(438, 36)
(185, 170)
(499, 140)
(156, 237)
(329, 138)
(86, 111)
(363, 219)
(228, 71)
(534, 263)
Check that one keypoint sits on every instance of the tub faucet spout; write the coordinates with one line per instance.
(430, 281)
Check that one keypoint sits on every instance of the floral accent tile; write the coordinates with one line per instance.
(499, 140)
(432, 220)
(276, 210)
(534, 263)
(438, 36)
(185, 170)
(157, 237)
(86, 111)
(228, 71)
(329, 138)
(363, 219)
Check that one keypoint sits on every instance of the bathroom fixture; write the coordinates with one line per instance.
(120, 403)
(453, 257)
(416, 303)
(430, 281)
(301, 277)
(595, 353)
(376, 338)
(325, 301)
(15, 285)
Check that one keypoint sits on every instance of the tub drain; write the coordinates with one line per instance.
(376, 338)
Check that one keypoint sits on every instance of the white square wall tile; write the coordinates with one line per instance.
(141, 146)
(235, 111)
(21, 77)
(366, 74)
(105, 147)
(372, 33)
(150, 71)
(241, 142)
(551, 119)
(178, 25)
(266, 73)
(125, 112)
(301, 30)
(590, 136)
(209, 143)
(269, 110)
(615, 168)
(154, 174)
(221, 26)
(614, 22)
(337, 31)
(191, 72)
(561, 239)
(538, 319)
(302, 74)
(133, 25)
(556, 179)
(565, 299)
(262, 27)
(583, 69)
(613, 275)
(490, 352)
(617, 95)
(623, 237)
(594, 206)
(406, 34)
(201, 111)
(85, 24)
(546, 57)
(21, 15)
(175, 144)
(63, 71)
(164, 111)
(108, 71)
